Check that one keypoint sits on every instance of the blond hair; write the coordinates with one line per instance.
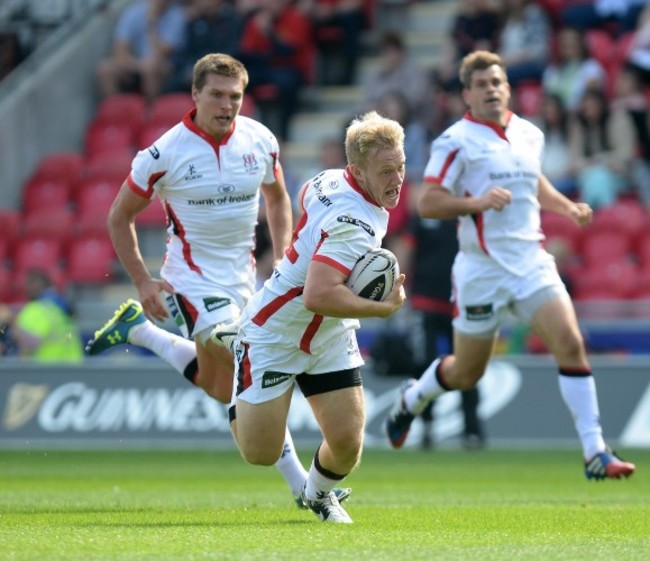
(367, 134)
(218, 63)
(478, 60)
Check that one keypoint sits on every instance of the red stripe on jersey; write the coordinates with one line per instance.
(274, 305)
(323, 236)
(179, 230)
(332, 263)
(291, 252)
(478, 219)
(310, 332)
(150, 183)
(276, 168)
(353, 183)
(448, 161)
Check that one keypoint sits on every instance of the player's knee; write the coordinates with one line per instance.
(346, 445)
(258, 456)
(214, 389)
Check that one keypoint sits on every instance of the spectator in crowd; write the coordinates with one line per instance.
(44, 328)
(278, 49)
(397, 72)
(574, 71)
(602, 13)
(638, 55)
(556, 160)
(602, 148)
(11, 52)
(331, 155)
(213, 26)
(525, 39)
(147, 35)
(501, 266)
(629, 97)
(476, 26)
(338, 27)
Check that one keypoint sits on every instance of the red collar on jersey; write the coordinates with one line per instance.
(501, 131)
(353, 183)
(188, 121)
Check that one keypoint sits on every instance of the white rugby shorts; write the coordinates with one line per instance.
(484, 292)
(272, 365)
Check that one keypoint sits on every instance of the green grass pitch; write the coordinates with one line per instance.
(406, 505)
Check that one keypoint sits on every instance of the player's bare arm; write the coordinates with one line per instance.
(436, 202)
(278, 214)
(325, 293)
(552, 200)
(121, 227)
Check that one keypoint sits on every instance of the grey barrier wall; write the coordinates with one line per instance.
(143, 402)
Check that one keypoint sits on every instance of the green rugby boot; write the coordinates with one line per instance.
(116, 330)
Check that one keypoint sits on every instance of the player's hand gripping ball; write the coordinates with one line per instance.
(373, 276)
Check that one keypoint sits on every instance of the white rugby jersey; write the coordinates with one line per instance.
(470, 158)
(210, 192)
(340, 223)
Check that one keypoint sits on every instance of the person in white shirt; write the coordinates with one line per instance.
(300, 328)
(208, 172)
(485, 171)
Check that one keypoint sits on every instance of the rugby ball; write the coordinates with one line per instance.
(373, 276)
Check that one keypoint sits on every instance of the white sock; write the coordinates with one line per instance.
(172, 348)
(318, 485)
(579, 394)
(427, 388)
(290, 467)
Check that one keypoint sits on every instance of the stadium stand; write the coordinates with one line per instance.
(79, 186)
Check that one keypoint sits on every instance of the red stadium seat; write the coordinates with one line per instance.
(65, 166)
(601, 46)
(4, 251)
(613, 279)
(7, 294)
(150, 133)
(607, 246)
(90, 225)
(124, 108)
(108, 137)
(626, 216)
(642, 249)
(46, 193)
(556, 226)
(643, 286)
(10, 220)
(37, 253)
(52, 223)
(90, 261)
(113, 165)
(170, 108)
(95, 198)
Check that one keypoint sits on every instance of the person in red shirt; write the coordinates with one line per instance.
(278, 49)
